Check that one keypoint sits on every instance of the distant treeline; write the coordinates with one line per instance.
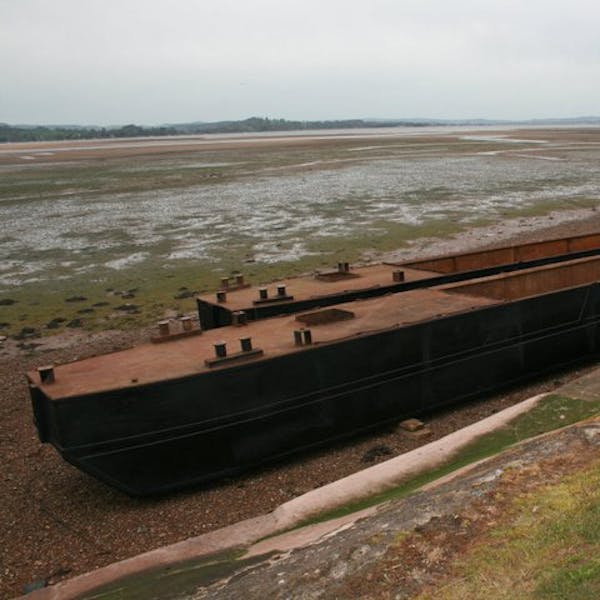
(258, 124)
(38, 133)
(9, 133)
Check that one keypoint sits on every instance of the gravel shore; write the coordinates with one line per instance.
(58, 522)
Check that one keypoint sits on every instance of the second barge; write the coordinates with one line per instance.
(236, 299)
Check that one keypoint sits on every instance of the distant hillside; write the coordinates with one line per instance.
(259, 124)
(34, 133)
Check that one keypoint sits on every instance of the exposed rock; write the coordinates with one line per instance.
(7, 302)
(411, 425)
(126, 293)
(131, 308)
(376, 452)
(55, 323)
(27, 346)
(185, 294)
(26, 332)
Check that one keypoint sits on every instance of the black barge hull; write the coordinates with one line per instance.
(168, 435)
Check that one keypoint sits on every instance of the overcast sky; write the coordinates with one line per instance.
(158, 61)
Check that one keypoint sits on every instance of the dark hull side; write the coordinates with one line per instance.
(173, 434)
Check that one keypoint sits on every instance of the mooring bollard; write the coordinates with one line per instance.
(46, 374)
(163, 328)
(297, 337)
(239, 317)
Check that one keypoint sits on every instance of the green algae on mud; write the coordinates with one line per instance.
(178, 580)
(157, 284)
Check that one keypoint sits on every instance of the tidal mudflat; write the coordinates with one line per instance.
(101, 234)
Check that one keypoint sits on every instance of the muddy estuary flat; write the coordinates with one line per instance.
(173, 215)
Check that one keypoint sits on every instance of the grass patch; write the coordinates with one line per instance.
(549, 550)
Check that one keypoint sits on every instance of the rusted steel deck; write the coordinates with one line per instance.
(530, 282)
(150, 363)
(310, 286)
(508, 254)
